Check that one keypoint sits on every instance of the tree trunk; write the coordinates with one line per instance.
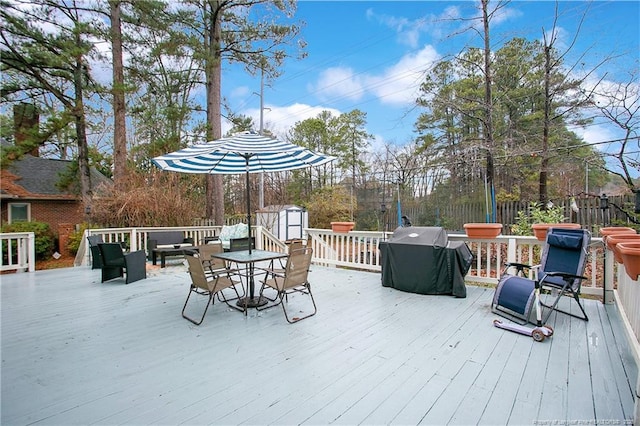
(119, 114)
(81, 135)
(215, 189)
(544, 162)
(488, 105)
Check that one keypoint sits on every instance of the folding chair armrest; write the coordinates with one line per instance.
(520, 267)
(564, 275)
(275, 272)
(219, 272)
(230, 275)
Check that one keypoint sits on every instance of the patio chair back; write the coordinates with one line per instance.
(206, 252)
(237, 244)
(296, 271)
(565, 251)
(198, 275)
(96, 257)
(295, 244)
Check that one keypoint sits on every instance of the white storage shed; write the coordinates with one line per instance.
(285, 222)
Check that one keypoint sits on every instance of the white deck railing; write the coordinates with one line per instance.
(18, 252)
(136, 238)
(628, 299)
(358, 249)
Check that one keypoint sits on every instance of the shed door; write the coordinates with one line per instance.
(293, 223)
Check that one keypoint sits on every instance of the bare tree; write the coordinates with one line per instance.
(564, 96)
(620, 105)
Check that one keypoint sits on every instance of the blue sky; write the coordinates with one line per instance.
(372, 55)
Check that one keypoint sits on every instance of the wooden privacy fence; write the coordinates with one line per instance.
(453, 216)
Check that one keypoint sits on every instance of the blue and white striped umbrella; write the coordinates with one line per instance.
(241, 153)
(246, 152)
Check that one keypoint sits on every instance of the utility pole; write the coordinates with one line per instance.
(261, 190)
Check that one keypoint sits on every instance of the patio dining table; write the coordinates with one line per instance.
(249, 260)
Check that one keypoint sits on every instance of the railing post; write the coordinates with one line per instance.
(608, 296)
(22, 253)
(512, 247)
(133, 239)
(83, 253)
(32, 251)
(259, 238)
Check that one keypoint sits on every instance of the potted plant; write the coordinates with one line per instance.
(540, 229)
(540, 220)
(613, 243)
(614, 230)
(342, 226)
(482, 230)
(630, 253)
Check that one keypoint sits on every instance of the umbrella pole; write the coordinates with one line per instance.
(248, 208)
(251, 266)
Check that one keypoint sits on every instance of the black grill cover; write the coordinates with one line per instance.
(421, 260)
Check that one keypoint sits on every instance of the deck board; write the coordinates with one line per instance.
(116, 354)
(607, 398)
(579, 401)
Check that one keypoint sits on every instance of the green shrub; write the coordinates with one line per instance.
(536, 214)
(45, 241)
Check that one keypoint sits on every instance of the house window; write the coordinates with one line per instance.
(19, 212)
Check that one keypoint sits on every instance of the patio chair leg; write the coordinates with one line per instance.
(296, 319)
(223, 298)
(209, 302)
(553, 307)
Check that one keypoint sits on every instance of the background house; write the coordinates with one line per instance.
(28, 192)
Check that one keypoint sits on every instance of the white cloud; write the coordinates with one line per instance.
(595, 134)
(399, 84)
(240, 92)
(338, 82)
(409, 31)
(396, 85)
(280, 119)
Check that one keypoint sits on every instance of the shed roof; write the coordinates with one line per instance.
(279, 207)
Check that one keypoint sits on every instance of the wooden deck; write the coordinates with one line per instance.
(75, 351)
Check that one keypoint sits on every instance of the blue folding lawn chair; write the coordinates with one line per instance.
(559, 274)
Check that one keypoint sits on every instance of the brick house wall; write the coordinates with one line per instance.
(63, 216)
(55, 212)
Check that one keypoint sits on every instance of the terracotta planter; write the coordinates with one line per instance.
(482, 230)
(342, 226)
(630, 252)
(614, 230)
(613, 241)
(540, 229)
